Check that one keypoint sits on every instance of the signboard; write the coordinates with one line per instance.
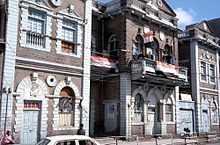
(186, 97)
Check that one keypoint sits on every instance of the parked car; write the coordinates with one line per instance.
(68, 140)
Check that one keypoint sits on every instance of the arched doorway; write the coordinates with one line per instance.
(154, 111)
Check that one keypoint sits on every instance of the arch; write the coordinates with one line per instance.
(25, 91)
(113, 47)
(60, 86)
(205, 102)
(63, 84)
(156, 92)
(214, 111)
(169, 95)
(138, 46)
(112, 39)
(139, 91)
(26, 84)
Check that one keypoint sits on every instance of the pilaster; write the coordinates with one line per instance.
(86, 66)
(125, 99)
(9, 61)
(195, 82)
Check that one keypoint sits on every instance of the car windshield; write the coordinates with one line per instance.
(43, 142)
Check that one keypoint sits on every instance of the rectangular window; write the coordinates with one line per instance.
(212, 73)
(203, 71)
(36, 28)
(169, 112)
(69, 37)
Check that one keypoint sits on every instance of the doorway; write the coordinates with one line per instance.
(31, 122)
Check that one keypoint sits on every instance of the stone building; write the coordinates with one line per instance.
(135, 76)
(199, 51)
(46, 70)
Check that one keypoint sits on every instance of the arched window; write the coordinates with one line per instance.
(113, 47)
(152, 50)
(138, 46)
(169, 110)
(66, 107)
(138, 108)
(214, 113)
(167, 54)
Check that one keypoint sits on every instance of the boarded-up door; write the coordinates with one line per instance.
(186, 120)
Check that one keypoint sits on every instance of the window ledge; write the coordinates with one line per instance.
(137, 123)
(65, 128)
(170, 123)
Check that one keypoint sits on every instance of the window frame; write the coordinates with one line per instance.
(138, 41)
(72, 112)
(169, 112)
(73, 18)
(212, 69)
(136, 111)
(25, 6)
(113, 40)
(203, 68)
(170, 101)
(214, 104)
(69, 43)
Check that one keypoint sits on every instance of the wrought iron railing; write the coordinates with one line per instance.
(35, 39)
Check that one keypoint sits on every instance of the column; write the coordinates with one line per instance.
(86, 66)
(125, 98)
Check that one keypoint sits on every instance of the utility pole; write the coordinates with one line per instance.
(7, 91)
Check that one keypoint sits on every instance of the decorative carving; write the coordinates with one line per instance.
(146, 87)
(56, 2)
(163, 89)
(68, 80)
(51, 81)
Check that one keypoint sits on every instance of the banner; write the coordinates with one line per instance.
(148, 37)
(102, 64)
(167, 69)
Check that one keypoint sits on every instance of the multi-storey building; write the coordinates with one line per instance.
(135, 73)
(46, 68)
(199, 51)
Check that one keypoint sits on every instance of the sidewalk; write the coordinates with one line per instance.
(178, 141)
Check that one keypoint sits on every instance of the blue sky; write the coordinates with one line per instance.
(193, 11)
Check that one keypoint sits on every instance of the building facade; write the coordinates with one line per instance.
(199, 51)
(46, 68)
(135, 76)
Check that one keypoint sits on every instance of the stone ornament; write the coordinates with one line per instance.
(56, 2)
(51, 81)
(162, 36)
(146, 87)
(205, 26)
(160, 3)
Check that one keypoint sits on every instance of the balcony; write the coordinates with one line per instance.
(35, 39)
(158, 72)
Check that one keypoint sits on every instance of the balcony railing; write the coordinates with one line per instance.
(35, 39)
(146, 66)
(183, 34)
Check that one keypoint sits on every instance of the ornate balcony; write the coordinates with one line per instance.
(158, 72)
